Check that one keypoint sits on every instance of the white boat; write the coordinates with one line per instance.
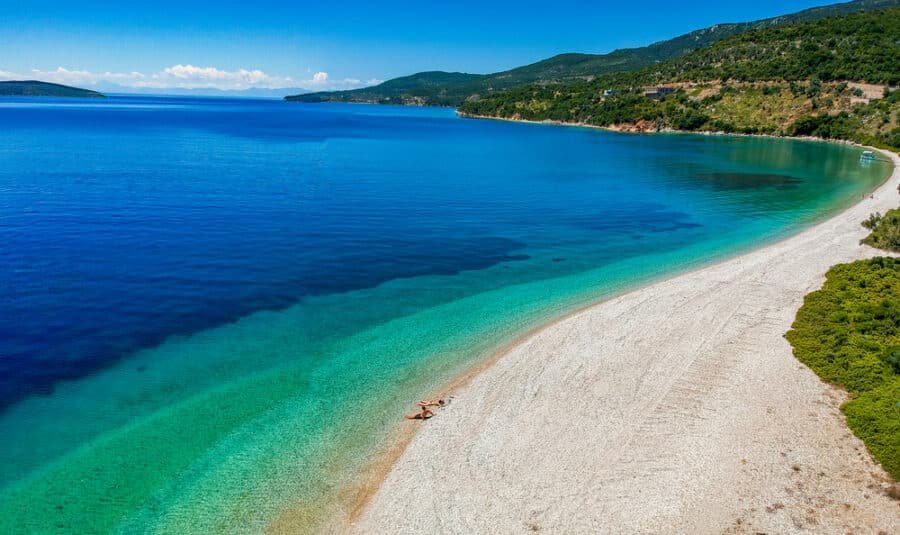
(867, 156)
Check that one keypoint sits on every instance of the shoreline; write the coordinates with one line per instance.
(619, 130)
(365, 497)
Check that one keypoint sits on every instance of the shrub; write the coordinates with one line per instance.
(688, 119)
(872, 221)
(814, 89)
(885, 230)
(874, 417)
(849, 334)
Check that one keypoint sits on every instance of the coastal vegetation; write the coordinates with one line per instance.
(33, 88)
(849, 334)
(829, 78)
(859, 47)
(885, 230)
(438, 88)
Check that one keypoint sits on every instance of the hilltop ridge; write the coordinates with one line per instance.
(831, 78)
(439, 88)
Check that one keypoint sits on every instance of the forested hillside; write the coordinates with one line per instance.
(801, 79)
(438, 88)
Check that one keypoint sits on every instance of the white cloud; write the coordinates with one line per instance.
(191, 77)
(188, 77)
(322, 81)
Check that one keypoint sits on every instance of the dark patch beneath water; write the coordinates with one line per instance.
(751, 180)
(100, 308)
(635, 221)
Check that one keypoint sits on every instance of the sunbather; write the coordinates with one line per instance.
(425, 414)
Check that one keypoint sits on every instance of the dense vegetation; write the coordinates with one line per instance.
(777, 80)
(32, 88)
(885, 230)
(860, 47)
(849, 334)
(438, 88)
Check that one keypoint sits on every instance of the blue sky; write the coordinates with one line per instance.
(326, 45)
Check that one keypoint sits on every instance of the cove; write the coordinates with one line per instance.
(215, 310)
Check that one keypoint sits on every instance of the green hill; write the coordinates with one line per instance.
(439, 88)
(799, 79)
(435, 88)
(33, 88)
(861, 47)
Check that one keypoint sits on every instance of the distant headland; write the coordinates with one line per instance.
(34, 88)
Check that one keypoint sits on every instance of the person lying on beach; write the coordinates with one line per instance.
(424, 415)
(431, 403)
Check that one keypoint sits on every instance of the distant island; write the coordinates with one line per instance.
(34, 88)
(439, 88)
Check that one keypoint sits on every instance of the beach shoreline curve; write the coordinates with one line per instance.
(388, 483)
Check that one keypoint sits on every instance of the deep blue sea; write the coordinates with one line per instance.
(193, 292)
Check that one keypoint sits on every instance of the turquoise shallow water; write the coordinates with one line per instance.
(216, 310)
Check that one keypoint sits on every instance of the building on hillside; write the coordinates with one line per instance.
(656, 93)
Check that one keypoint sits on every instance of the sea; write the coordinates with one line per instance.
(214, 313)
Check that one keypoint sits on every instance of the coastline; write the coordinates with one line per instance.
(620, 130)
(392, 480)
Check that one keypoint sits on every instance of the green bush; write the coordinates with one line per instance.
(874, 417)
(891, 139)
(885, 230)
(849, 334)
(872, 221)
(688, 119)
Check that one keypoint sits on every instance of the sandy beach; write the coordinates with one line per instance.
(676, 408)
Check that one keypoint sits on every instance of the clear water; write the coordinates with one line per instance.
(213, 311)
